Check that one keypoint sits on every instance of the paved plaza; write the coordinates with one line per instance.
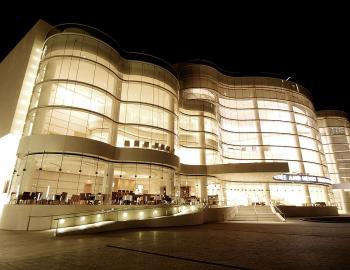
(292, 245)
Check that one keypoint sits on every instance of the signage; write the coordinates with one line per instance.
(303, 178)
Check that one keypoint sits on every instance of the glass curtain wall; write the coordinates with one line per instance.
(51, 175)
(335, 133)
(255, 120)
(84, 88)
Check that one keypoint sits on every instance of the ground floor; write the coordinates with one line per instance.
(72, 179)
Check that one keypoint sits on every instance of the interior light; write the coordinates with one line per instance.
(125, 214)
(62, 220)
(82, 218)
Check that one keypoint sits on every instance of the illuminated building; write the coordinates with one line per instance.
(335, 134)
(86, 117)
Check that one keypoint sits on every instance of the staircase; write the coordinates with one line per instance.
(255, 214)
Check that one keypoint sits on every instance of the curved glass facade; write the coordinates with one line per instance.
(89, 103)
(84, 88)
(335, 133)
(252, 120)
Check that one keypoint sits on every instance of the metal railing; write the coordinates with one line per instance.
(278, 212)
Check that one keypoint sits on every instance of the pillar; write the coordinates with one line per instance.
(224, 194)
(267, 193)
(344, 201)
(107, 183)
(307, 194)
(259, 133)
(204, 188)
(296, 138)
(170, 185)
(202, 157)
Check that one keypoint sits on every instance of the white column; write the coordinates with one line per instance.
(344, 201)
(107, 185)
(258, 129)
(296, 137)
(202, 157)
(204, 188)
(307, 194)
(267, 193)
(224, 193)
(170, 189)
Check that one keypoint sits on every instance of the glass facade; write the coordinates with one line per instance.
(191, 113)
(248, 120)
(84, 88)
(335, 133)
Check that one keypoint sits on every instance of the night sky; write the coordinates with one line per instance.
(308, 43)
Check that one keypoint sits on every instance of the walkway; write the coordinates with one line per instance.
(292, 245)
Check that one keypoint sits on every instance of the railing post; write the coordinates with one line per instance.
(28, 223)
(56, 227)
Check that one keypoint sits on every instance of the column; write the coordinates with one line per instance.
(267, 193)
(224, 193)
(114, 128)
(344, 200)
(170, 185)
(295, 133)
(202, 157)
(258, 129)
(327, 195)
(107, 186)
(307, 194)
(204, 188)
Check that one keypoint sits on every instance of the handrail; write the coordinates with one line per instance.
(278, 212)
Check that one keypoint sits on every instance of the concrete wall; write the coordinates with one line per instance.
(307, 211)
(207, 215)
(40, 217)
(16, 216)
(12, 72)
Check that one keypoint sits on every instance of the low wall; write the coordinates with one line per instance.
(308, 211)
(40, 217)
(206, 215)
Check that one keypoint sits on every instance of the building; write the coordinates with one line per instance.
(86, 121)
(334, 127)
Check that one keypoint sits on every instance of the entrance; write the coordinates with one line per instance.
(245, 194)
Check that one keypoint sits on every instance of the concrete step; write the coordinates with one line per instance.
(243, 219)
(255, 213)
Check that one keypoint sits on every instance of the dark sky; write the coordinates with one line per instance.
(308, 43)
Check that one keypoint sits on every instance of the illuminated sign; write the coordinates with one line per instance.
(303, 178)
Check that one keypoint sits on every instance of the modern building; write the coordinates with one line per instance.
(334, 127)
(82, 121)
